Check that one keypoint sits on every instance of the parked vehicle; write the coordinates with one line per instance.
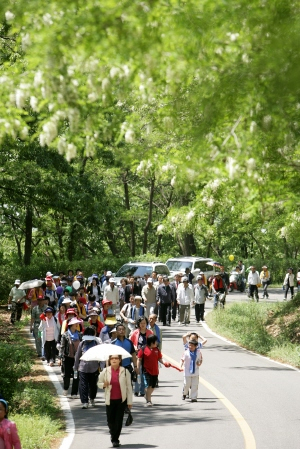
(138, 269)
(236, 282)
(195, 264)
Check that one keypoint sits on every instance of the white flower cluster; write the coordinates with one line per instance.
(190, 215)
(160, 228)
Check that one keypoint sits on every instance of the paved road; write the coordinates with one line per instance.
(244, 401)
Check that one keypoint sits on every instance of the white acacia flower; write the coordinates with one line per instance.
(245, 58)
(114, 71)
(253, 127)
(71, 152)
(24, 133)
(173, 181)
(251, 163)
(129, 136)
(47, 19)
(160, 228)
(190, 215)
(9, 16)
(126, 70)
(174, 219)
(62, 145)
(105, 84)
(50, 131)
(26, 41)
(267, 120)
(42, 139)
(210, 202)
(20, 98)
(38, 79)
(93, 96)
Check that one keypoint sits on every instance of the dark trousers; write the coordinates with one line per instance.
(253, 290)
(16, 311)
(175, 310)
(199, 312)
(287, 287)
(68, 364)
(115, 413)
(50, 350)
(165, 313)
(87, 386)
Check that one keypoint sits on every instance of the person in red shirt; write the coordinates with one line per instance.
(148, 358)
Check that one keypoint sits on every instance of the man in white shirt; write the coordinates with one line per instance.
(253, 281)
(149, 296)
(185, 297)
(111, 292)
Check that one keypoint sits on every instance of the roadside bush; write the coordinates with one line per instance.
(16, 361)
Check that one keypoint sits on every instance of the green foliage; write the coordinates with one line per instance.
(16, 362)
(149, 127)
(251, 324)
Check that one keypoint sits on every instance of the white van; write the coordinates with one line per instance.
(195, 264)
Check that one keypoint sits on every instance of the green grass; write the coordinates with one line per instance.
(268, 329)
(33, 402)
(37, 415)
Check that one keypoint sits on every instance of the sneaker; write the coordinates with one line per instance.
(51, 364)
(74, 396)
(92, 402)
(43, 359)
(116, 444)
(136, 394)
(85, 405)
(183, 397)
(148, 404)
(194, 400)
(141, 395)
(65, 392)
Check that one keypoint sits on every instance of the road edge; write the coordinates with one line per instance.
(208, 329)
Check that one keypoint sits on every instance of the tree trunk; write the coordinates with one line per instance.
(127, 205)
(112, 243)
(187, 245)
(28, 235)
(150, 211)
(71, 246)
(159, 240)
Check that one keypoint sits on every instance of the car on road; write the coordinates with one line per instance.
(138, 269)
(195, 264)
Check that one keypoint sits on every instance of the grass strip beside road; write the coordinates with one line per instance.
(33, 402)
(270, 329)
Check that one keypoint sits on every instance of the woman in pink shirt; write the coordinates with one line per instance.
(9, 438)
(118, 394)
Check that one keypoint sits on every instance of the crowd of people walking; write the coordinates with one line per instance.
(70, 315)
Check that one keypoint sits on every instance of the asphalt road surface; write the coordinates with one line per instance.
(244, 401)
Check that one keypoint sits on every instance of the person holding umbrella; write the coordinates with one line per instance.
(88, 370)
(116, 381)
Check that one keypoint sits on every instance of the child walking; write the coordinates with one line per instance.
(191, 360)
(9, 438)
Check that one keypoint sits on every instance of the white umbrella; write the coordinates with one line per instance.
(101, 353)
(31, 284)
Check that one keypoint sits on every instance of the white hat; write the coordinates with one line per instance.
(149, 281)
(108, 273)
(111, 280)
(185, 279)
(66, 301)
(199, 277)
(17, 282)
(49, 273)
